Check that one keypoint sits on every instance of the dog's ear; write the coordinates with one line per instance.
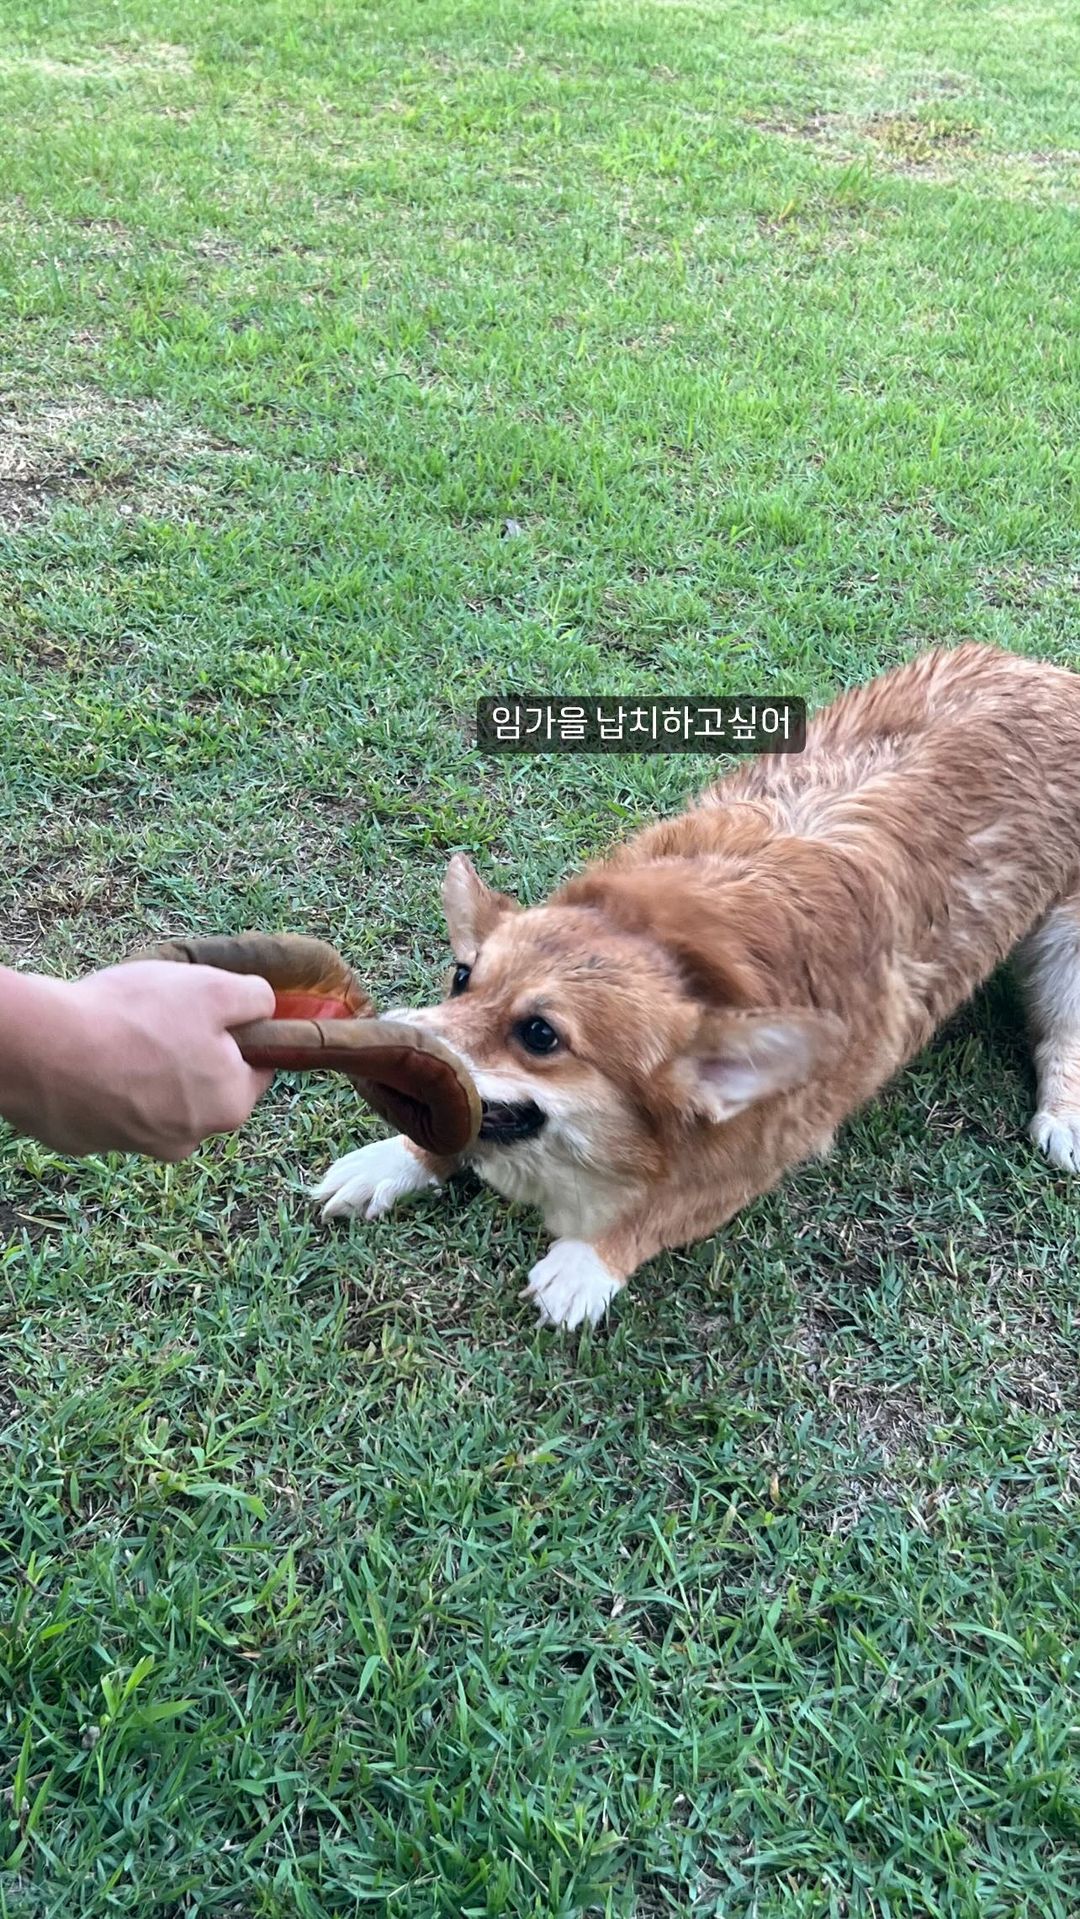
(738, 1058)
(471, 908)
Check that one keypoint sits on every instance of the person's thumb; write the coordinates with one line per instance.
(241, 996)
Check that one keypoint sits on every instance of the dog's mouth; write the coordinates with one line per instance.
(501, 1124)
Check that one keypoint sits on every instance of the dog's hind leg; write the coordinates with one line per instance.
(1049, 965)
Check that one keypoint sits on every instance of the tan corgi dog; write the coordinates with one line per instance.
(699, 1011)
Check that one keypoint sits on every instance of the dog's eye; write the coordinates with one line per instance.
(462, 976)
(536, 1035)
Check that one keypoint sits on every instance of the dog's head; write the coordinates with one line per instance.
(600, 1027)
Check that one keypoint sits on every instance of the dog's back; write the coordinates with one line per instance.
(931, 821)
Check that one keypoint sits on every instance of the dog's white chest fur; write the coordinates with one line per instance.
(576, 1201)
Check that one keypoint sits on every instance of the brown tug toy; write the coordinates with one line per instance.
(324, 1019)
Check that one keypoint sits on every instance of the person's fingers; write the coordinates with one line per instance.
(172, 1154)
(260, 1077)
(240, 997)
(249, 1082)
(243, 1089)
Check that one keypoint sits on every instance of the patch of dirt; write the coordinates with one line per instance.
(30, 495)
(894, 1421)
(154, 57)
(1060, 157)
(211, 246)
(17, 1219)
(1025, 588)
(37, 461)
(48, 655)
(917, 140)
(103, 223)
(928, 138)
(27, 644)
(927, 82)
(89, 449)
(64, 886)
(25, 496)
(910, 139)
(816, 126)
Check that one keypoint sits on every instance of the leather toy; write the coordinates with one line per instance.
(323, 1019)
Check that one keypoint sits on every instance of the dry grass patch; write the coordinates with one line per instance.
(90, 449)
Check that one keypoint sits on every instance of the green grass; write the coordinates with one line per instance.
(330, 1585)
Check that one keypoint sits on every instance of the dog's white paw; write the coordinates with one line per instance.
(372, 1180)
(1058, 1136)
(571, 1284)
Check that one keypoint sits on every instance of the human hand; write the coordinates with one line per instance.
(136, 1058)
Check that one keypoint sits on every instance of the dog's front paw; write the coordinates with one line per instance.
(1058, 1136)
(372, 1180)
(571, 1284)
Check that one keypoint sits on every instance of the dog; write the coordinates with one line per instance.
(696, 1013)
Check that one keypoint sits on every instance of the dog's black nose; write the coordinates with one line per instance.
(501, 1124)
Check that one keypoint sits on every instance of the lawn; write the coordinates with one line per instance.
(358, 360)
